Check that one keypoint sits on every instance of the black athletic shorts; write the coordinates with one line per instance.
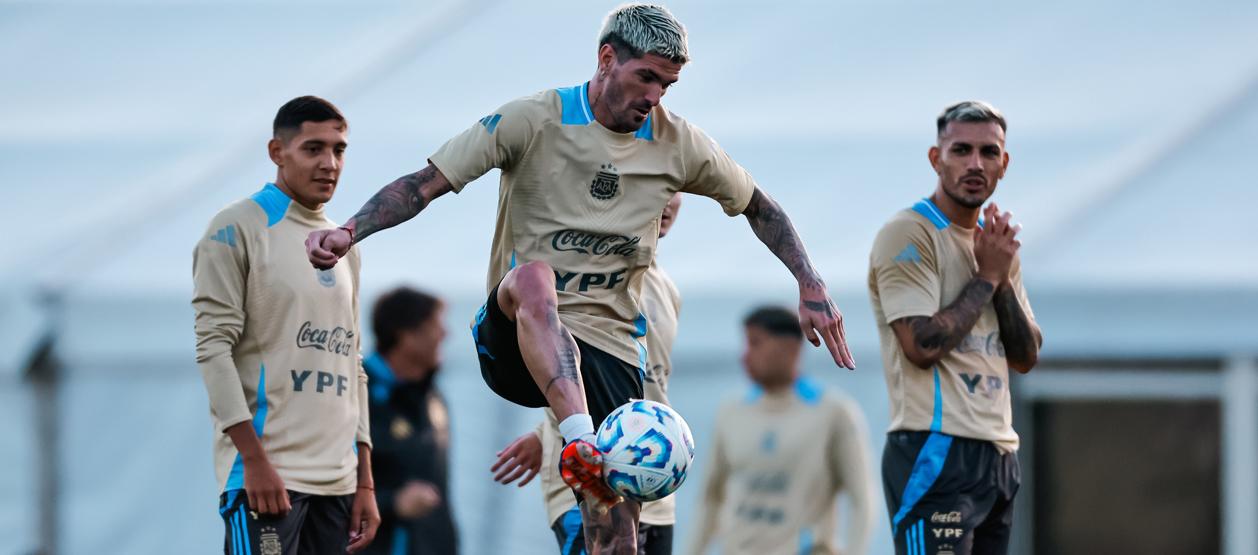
(317, 525)
(652, 539)
(609, 382)
(948, 495)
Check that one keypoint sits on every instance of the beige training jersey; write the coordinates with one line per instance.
(662, 304)
(587, 201)
(277, 344)
(919, 265)
(776, 467)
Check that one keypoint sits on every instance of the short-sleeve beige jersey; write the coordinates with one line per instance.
(919, 264)
(587, 201)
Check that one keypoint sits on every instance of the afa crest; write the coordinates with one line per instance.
(606, 182)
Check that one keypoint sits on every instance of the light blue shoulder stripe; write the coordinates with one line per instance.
(927, 208)
(809, 390)
(930, 211)
(755, 394)
(576, 107)
(273, 201)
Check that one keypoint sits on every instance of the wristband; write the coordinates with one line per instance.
(350, 232)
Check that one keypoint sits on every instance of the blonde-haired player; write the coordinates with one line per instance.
(586, 172)
(538, 451)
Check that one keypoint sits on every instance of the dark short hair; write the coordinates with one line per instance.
(303, 109)
(400, 310)
(776, 320)
(970, 111)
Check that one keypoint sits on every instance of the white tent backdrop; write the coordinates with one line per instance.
(128, 124)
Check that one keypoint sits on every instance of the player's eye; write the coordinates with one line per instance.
(991, 152)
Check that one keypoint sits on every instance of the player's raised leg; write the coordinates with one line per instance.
(527, 297)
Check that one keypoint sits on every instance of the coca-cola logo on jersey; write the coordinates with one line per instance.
(337, 340)
(594, 244)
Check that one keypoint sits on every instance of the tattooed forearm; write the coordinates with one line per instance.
(398, 201)
(930, 338)
(1018, 335)
(773, 227)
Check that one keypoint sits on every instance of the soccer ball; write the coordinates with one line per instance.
(647, 449)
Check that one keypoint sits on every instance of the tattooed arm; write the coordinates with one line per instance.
(398, 201)
(395, 203)
(926, 339)
(1020, 336)
(816, 310)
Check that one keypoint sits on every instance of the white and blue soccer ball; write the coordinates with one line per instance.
(647, 450)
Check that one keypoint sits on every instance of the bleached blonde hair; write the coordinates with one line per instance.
(635, 30)
(971, 111)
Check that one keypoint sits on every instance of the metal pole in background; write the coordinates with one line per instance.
(44, 379)
(1239, 482)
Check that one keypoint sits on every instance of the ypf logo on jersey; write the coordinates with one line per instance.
(606, 182)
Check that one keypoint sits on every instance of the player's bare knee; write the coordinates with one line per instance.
(531, 287)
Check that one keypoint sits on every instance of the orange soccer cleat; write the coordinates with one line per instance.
(581, 467)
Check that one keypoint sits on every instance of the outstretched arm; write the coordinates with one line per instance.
(816, 310)
(1020, 336)
(398, 201)
(395, 203)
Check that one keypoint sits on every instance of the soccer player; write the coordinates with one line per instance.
(586, 172)
(277, 345)
(953, 317)
(781, 456)
(538, 451)
(410, 426)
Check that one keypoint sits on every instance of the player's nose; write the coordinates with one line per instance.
(329, 162)
(653, 95)
(974, 162)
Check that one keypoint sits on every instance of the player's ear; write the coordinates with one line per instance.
(606, 59)
(1004, 164)
(273, 149)
(933, 155)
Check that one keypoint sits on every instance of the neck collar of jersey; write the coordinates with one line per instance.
(578, 111)
(805, 389)
(929, 210)
(277, 204)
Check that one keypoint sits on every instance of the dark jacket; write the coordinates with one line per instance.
(410, 430)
